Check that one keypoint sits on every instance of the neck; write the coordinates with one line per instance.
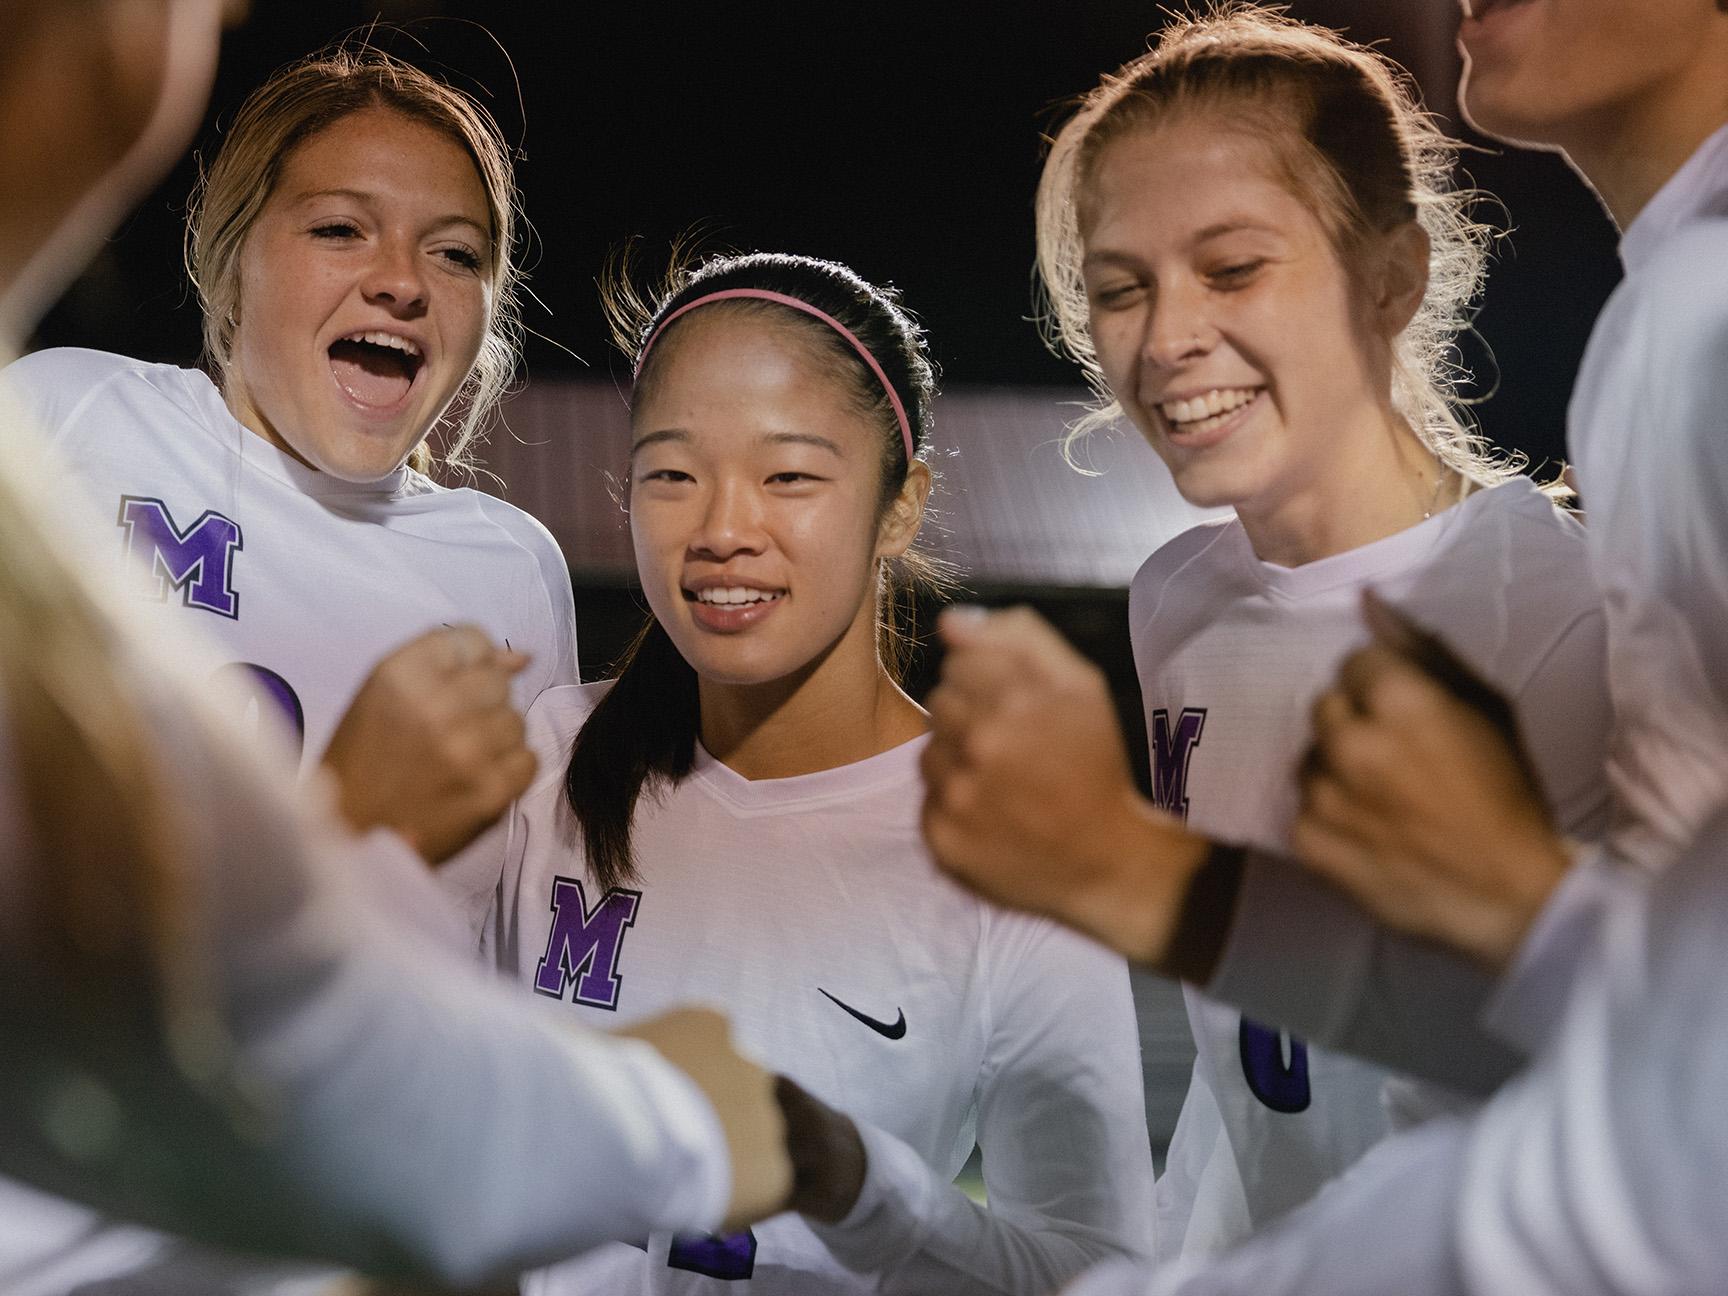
(838, 710)
(1380, 482)
(1632, 152)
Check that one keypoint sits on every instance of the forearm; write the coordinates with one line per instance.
(1385, 1226)
(351, 1093)
(915, 1233)
(1302, 956)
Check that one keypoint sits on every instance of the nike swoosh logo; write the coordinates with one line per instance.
(883, 1029)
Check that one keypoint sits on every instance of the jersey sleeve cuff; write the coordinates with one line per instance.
(887, 1223)
(1531, 996)
(695, 1183)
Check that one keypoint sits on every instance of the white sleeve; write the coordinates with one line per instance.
(561, 609)
(1602, 1170)
(373, 1102)
(1532, 996)
(1384, 1226)
(1062, 1125)
(1597, 1173)
(48, 387)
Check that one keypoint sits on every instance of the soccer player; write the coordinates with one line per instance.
(1595, 1172)
(354, 249)
(734, 819)
(207, 1024)
(1249, 241)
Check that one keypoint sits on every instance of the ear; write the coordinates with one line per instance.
(905, 514)
(1403, 278)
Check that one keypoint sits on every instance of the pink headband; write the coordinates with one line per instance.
(764, 294)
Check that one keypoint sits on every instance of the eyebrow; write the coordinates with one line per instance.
(1233, 226)
(1108, 256)
(655, 438)
(683, 437)
(361, 196)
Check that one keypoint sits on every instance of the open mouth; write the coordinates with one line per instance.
(1195, 416)
(733, 596)
(375, 368)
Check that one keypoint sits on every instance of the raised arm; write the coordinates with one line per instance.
(1030, 802)
(333, 1087)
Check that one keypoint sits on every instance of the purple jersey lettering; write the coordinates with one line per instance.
(584, 944)
(199, 561)
(727, 1256)
(1171, 749)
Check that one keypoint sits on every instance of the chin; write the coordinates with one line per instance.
(1492, 111)
(364, 462)
(1210, 490)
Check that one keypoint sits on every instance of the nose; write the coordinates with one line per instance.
(731, 522)
(1177, 330)
(395, 277)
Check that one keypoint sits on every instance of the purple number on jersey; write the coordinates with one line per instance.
(261, 679)
(1281, 1085)
(715, 1255)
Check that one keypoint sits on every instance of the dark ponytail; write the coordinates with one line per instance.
(642, 736)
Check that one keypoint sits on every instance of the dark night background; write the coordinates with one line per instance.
(903, 139)
(900, 138)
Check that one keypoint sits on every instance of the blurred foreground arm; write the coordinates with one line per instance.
(308, 1080)
(1595, 1173)
(1030, 802)
(1029, 797)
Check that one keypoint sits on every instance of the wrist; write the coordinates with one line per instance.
(1141, 864)
(1536, 873)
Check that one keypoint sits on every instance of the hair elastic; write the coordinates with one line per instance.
(796, 304)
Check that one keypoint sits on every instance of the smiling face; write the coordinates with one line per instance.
(755, 492)
(1563, 71)
(1223, 319)
(365, 291)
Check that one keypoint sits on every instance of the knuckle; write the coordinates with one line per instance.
(1355, 754)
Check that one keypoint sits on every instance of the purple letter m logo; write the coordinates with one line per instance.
(584, 944)
(197, 561)
(1170, 753)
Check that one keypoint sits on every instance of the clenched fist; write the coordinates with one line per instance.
(698, 1041)
(431, 746)
(1029, 797)
(1419, 800)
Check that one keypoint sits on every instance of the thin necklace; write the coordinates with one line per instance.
(1434, 499)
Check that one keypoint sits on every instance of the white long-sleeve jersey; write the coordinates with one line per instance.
(1599, 1171)
(808, 911)
(304, 582)
(375, 1102)
(1231, 652)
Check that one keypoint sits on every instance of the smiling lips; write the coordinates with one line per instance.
(731, 608)
(728, 595)
(374, 367)
(1197, 415)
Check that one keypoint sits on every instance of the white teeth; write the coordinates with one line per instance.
(736, 594)
(1220, 400)
(390, 340)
